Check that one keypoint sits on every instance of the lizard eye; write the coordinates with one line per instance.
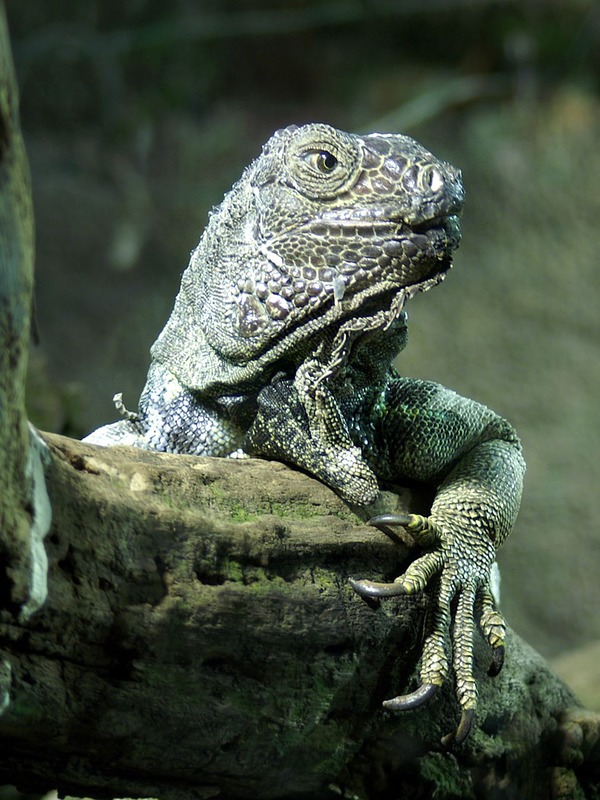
(322, 162)
(326, 161)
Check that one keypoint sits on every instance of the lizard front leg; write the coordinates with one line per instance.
(309, 431)
(424, 431)
(173, 419)
(416, 430)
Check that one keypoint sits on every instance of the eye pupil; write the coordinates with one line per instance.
(326, 161)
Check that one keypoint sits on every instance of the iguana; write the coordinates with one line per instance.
(280, 344)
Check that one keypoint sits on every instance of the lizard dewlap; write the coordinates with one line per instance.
(281, 344)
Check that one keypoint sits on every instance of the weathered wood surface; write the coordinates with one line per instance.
(200, 639)
(199, 627)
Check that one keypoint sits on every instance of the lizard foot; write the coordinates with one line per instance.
(312, 435)
(464, 580)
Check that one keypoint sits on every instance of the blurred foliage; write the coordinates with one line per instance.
(139, 115)
(112, 64)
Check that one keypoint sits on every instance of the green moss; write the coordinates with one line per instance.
(324, 579)
(22, 706)
(215, 490)
(295, 510)
(299, 510)
(231, 570)
(332, 739)
(259, 581)
(239, 513)
(176, 503)
(449, 781)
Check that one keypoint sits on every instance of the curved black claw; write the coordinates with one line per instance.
(497, 661)
(464, 728)
(389, 519)
(405, 702)
(373, 589)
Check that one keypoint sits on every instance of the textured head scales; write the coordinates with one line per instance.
(321, 226)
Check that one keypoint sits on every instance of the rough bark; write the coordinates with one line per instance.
(16, 279)
(200, 639)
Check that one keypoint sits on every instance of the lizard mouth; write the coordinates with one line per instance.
(441, 221)
(369, 225)
(437, 236)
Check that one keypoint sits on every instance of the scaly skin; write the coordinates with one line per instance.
(280, 344)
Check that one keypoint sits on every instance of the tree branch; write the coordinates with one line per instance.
(200, 639)
(24, 509)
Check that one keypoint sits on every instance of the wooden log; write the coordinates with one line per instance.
(200, 639)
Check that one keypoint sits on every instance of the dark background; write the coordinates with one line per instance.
(138, 115)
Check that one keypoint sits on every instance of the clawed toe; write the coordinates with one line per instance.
(374, 589)
(420, 528)
(464, 729)
(384, 520)
(497, 661)
(421, 696)
(413, 700)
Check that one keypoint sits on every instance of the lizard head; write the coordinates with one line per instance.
(332, 219)
(323, 228)
(341, 212)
